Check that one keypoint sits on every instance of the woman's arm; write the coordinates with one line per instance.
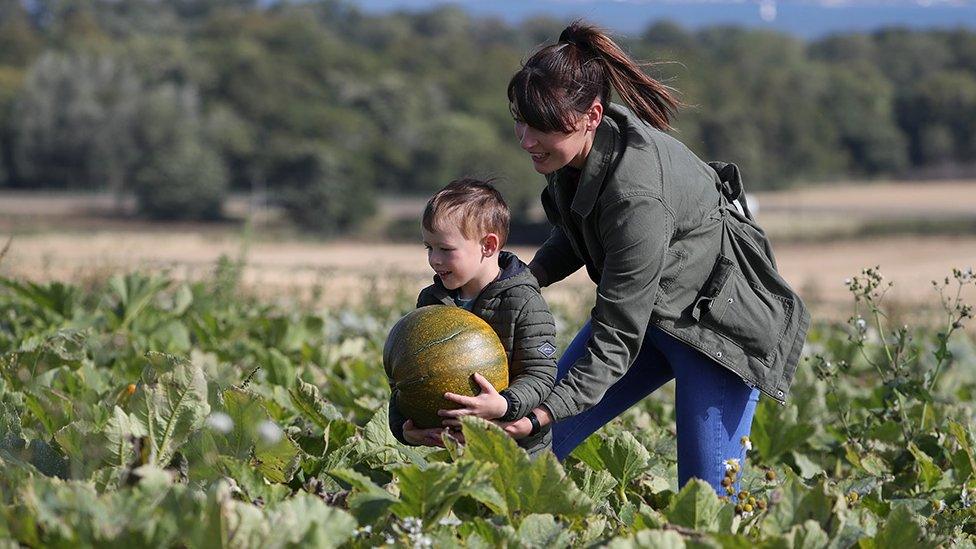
(635, 231)
(555, 259)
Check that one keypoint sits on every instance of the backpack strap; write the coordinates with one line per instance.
(730, 185)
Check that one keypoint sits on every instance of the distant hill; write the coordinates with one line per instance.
(803, 19)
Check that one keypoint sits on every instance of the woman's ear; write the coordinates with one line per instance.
(594, 115)
(489, 244)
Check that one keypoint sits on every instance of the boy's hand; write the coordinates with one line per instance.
(422, 437)
(488, 405)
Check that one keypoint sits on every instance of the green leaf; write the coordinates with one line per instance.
(380, 447)
(306, 399)
(429, 493)
(306, 521)
(526, 486)
(277, 459)
(624, 457)
(695, 506)
(962, 438)
(776, 430)
(928, 472)
(544, 532)
(792, 504)
(809, 535)
(120, 433)
(491, 535)
(900, 530)
(172, 405)
(597, 485)
(256, 437)
(866, 461)
(369, 502)
(650, 539)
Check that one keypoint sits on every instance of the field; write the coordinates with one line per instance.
(240, 402)
(822, 235)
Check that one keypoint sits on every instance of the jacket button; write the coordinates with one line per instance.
(730, 300)
(719, 354)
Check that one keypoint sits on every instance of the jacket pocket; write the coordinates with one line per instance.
(745, 312)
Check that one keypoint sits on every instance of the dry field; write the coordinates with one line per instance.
(70, 246)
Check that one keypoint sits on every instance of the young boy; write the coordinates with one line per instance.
(465, 226)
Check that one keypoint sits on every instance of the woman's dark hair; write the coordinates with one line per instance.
(560, 81)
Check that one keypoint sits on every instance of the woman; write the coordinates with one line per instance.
(686, 283)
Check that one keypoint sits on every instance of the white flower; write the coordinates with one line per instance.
(731, 464)
(421, 542)
(746, 443)
(220, 422)
(861, 324)
(389, 540)
(449, 521)
(938, 505)
(847, 282)
(413, 525)
(966, 498)
(269, 432)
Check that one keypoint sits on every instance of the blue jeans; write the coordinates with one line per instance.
(713, 406)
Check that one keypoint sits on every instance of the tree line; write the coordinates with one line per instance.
(325, 107)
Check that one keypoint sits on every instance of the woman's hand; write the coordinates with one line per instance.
(422, 437)
(520, 428)
(487, 405)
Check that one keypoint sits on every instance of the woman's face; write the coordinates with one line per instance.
(551, 151)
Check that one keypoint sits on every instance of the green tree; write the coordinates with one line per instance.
(860, 105)
(180, 174)
(74, 120)
(318, 191)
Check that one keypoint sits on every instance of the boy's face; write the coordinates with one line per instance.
(460, 262)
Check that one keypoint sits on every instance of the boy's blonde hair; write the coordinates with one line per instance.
(473, 205)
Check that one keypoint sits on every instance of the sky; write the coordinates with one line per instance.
(807, 18)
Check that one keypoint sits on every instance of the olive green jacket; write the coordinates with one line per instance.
(515, 309)
(658, 233)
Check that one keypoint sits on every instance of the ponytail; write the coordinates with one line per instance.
(560, 81)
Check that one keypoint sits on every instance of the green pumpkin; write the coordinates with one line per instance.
(435, 350)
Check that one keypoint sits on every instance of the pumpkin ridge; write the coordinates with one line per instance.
(436, 342)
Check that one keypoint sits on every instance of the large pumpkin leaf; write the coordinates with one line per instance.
(379, 447)
(526, 485)
(369, 502)
(808, 535)
(256, 437)
(793, 504)
(172, 404)
(306, 399)
(696, 506)
(776, 430)
(428, 493)
(543, 531)
(900, 530)
(651, 539)
(306, 521)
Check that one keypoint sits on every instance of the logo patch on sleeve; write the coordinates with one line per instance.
(547, 349)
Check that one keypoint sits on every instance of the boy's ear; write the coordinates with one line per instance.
(489, 244)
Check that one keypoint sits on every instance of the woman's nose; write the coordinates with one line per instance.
(526, 140)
